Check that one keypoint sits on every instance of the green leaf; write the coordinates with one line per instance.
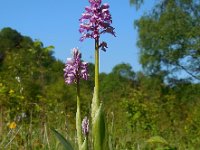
(63, 141)
(157, 139)
(94, 105)
(99, 129)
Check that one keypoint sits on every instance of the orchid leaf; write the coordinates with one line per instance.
(66, 144)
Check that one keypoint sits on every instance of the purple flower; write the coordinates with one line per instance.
(75, 69)
(103, 46)
(85, 126)
(95, 20)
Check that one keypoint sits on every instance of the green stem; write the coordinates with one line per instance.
(85, 144)
(97, 70)
(86, 140)
(78, 118)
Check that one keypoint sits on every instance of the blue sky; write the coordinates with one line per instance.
(56, 23)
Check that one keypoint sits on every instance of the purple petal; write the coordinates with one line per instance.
(95, 20)
(74, 66)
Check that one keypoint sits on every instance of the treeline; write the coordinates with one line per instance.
(138, 106)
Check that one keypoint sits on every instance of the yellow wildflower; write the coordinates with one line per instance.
(12, 125)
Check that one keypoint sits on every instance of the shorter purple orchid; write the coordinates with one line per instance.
(85, 126)
(75, 69)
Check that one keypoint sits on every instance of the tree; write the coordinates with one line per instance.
(137, 3)
(124, 70)
(169, 39)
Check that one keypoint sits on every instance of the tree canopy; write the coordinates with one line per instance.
(169, 39)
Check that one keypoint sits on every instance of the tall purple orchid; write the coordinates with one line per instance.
(96, 20)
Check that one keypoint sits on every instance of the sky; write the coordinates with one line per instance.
(56, 22)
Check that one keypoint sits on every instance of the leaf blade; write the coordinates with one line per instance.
(66, 144)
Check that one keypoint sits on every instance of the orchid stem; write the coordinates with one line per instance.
(97, 70)
(78, 117)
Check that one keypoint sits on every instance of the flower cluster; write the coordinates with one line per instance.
(95, 20)
(75, 69)
(85, 126)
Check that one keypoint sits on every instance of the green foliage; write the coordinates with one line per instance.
(124, 71)
(139, 106)
(98, 128)
(98, 124)
(168, 38)
(9, 39)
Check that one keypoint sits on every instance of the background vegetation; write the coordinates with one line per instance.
(151, 109)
